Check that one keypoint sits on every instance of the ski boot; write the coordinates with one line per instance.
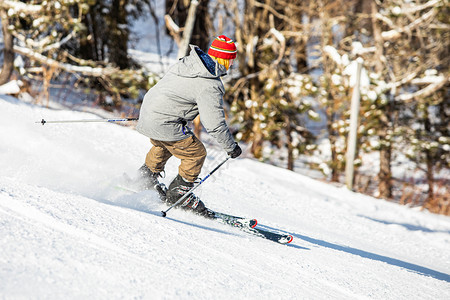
(149, 179)
(178, 188)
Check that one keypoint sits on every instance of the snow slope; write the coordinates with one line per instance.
(66, 233)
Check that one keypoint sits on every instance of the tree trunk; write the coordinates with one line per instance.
(290, 148)
(331, 108)
(429, 160)
(430, 176)
(333, 138)
(178, 11)
(334, 157)
(201, 34)
(8, 53)
(89, 47)
(183, 48)
(118, 42)
(301, 55)
(256, 148)
(385, 176)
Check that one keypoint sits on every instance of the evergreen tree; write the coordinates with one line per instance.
(270, 101)
(68, 36)
(411, 41)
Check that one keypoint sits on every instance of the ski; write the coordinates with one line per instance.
(222, 217)
(273, 236)
(245, 224)
(235, 221)
(249, 226)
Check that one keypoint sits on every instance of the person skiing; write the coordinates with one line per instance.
(191, 87)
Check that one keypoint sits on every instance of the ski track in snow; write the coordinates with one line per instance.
(66, 232)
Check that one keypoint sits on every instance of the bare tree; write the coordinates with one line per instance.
(8, 52)
(49, 35)
(267, 101)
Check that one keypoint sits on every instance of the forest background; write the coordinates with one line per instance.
(288, 97)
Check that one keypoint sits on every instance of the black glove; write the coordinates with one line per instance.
(235, 152)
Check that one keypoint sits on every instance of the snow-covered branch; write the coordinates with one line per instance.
(385, 19)
(408, 78)
(430, 89)
(18, 7)
(84, 70)
(42, 45)
(281, 39)
(429, 79)
(57, 45)
(359, 49)
(415, 8)
(396, 33)
(333, 54)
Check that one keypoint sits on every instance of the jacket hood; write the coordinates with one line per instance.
(193, 66)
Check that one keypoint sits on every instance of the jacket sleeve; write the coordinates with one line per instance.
(212, 116)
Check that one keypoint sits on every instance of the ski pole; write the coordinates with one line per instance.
(164, 213)
(43, 122)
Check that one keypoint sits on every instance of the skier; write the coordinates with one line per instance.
(191, 87)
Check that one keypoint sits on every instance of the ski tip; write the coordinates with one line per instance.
(286, 239)
(253, 223)
(290, 239)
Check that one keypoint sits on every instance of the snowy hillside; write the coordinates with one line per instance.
(66, 232)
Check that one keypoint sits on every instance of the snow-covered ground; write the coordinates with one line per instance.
(66, 232)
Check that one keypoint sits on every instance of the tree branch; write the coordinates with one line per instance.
(396, 33)
(430, 89)
(280, 37)
(277, 14)
(174, 29)
(416, 8)
(87, 71)
(18, 6)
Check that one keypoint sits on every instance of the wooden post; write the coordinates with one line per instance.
(188, 27)
(352, 135)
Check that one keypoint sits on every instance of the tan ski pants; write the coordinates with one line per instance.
(190, 151)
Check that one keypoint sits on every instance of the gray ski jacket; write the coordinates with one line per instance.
(186, 90)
